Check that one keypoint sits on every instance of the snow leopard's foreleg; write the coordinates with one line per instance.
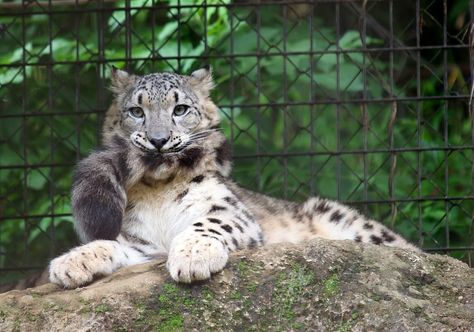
(98, 194)
(203, 248)
(83, 264)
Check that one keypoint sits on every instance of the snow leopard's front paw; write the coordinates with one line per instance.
(192, 257)
(79, 266)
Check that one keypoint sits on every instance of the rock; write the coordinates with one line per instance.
(321, 285)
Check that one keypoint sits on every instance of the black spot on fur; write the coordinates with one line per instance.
(237, 225)
(198, 179)
(190, 158)
(224, 152)
(198, 224)
(387, 237)
(219, 178)
(243, 220)
(152, 160)
(138, 249)
(140, 99)
(130, 206)
(232, 201)
(176, 97)
(368, 226)
(358, 238)
(134, 239)
(253, 243)
(227, 228)
(336, 216)
(199, 230)
(261, 240)
(322, 207)
(214, 220)
(214, 231)
(375, 239)
(234, 241)
(247, 215)
(215, 208)
(181, 195)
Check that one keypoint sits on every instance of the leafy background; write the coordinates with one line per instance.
(291, 81)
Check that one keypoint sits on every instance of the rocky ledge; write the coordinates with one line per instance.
(321, 285)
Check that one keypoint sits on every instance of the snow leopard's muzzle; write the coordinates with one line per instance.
(172, 144)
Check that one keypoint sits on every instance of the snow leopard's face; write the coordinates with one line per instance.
(163, 112)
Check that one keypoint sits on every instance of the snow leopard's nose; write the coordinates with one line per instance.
(158, 143)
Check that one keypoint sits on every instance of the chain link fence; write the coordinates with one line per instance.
(366, 102)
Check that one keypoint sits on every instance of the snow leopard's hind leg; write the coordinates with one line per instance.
(335, 221)
(83, 264)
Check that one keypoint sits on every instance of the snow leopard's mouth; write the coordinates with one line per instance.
(175, 144)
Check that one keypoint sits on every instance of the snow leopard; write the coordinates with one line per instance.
(160, 185)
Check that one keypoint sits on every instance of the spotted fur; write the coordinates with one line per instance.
(160, 185)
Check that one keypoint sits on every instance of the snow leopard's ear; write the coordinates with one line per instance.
(121, 80)
(201, 80)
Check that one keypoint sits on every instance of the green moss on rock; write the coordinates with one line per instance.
(331, 285)
(102, 308)
(290, 291)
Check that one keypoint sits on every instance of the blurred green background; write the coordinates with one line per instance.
(367, 105)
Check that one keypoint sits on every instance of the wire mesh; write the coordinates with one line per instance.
(361, 101)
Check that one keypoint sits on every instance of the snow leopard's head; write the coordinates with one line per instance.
(169, 118)
(165, 112)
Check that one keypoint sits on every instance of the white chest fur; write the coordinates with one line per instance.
(158, 213)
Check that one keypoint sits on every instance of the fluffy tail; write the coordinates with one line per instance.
(335, 221)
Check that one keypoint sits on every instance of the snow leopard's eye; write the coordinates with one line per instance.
(136, 112)
(180, 110)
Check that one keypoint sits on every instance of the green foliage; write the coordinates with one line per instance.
(55, 107)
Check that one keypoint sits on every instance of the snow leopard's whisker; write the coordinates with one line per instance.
(199, 138)
(179, 148)
(204, 132)
(191, 138)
